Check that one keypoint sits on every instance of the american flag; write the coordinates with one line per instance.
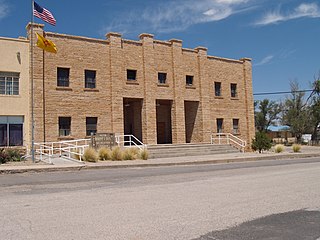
(43, 14)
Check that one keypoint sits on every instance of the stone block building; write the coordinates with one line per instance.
(155, 90)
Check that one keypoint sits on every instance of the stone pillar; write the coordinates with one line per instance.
(117, 73)
(205, 88)
(36, 75)
(149, 114)
(179, 85)
(247, 78)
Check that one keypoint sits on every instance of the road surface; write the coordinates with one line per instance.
(256, 200)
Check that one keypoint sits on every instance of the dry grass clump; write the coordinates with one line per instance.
(128, 154)
(116, 154)
(296, 147)
(104, 154)
(144, 154)
(90, 155)
(279, 148)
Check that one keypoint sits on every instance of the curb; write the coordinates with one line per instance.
(195, 162)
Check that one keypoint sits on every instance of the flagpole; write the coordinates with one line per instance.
(32, 97)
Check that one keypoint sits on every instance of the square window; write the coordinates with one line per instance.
(64, 126)
(91, 125)
(90, 79)
(219, 125)
(217, 89)
(162, 78)
(11, 131)
(235, 124)
(189, 80)
(9, 83)
(233, 87)
(63, 77)
(131, 75)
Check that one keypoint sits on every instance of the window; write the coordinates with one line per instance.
(219, 125)
(234, 90)
(131, 75)
(63, 77)
(9, 83)
(90, 79)
(217, 88)
(91, 125)
(11, 131)
(235, 124)
(64, 126)
(162, 78)
(189, 80)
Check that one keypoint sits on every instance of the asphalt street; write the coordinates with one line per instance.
(256, 200)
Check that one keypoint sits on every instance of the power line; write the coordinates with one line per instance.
(274, 93)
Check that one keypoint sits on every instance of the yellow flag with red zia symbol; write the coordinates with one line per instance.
(46, 44)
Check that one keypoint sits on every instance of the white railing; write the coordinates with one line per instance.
(228, 138)
(67, 149)
(129, 141)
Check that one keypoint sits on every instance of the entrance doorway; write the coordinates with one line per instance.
(190, 113)
(132, 109)
(164, 129)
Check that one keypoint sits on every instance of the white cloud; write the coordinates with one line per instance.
(178, 15)
(265, 60)
(4, 10)
(311, 10)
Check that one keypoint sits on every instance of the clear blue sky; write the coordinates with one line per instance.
(281, 36)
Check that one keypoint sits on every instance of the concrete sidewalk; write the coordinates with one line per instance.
(66, 165)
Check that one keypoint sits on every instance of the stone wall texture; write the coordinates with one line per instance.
(194, 109)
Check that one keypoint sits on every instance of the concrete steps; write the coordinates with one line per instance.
(188, 149)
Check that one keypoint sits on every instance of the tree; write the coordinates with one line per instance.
(315, 117)
(296, 113)
(261, 142)
(315, 88)
(268, 112)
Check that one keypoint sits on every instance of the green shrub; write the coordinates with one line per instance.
(279, 148)
(296, 147)
(10, 155)
(14, 155)
(116, 154)
(4, 157)
(261, 142)
(144, 154)
(104, 154)
(90, 155)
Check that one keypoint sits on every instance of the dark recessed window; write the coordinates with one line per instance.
(90, 79)
(162, 78)
(9, 83)
(63, 77)
(235, 124)
(233, 87)
(217, 88)
(91, 125)
(64, 126)
(131, 75)
(11, 131)
(189, 80)
(219, 125)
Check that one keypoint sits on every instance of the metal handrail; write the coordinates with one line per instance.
(228, 138)
(71, 147)
(132, 141)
